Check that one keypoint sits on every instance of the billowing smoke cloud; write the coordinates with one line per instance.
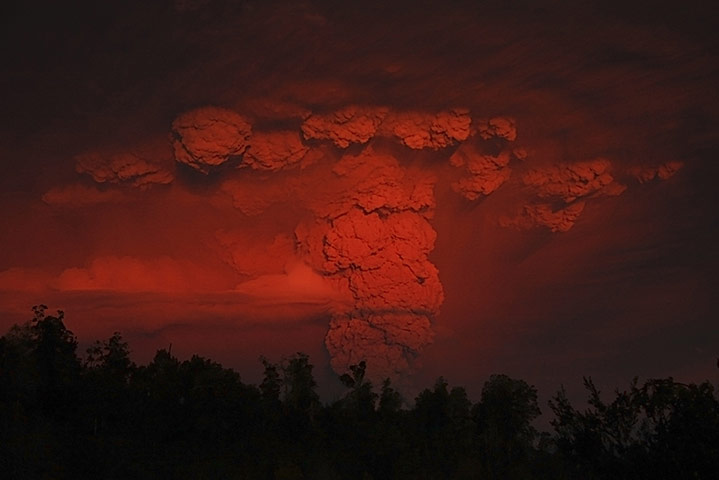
(419, 130)
(274, 150)
(302, 208)
(555, 193)
(569, 182)
(485, 159)
(649, 173)
(486, 173)
(416, 130)
(376, 238)
(352, 124)
(387, 342)
(122, 168)
(358, 242)
(565, 186)
(369, 236)
(208, 137)
(544, 215)
(498, 127)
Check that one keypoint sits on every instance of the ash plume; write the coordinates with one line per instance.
(356, 235)
(138, 166)
(208, 137)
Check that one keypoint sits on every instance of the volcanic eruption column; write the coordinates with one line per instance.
(370, 236)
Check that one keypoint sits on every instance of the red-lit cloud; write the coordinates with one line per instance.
(251, 257)
(78, 195)
(343, 127)
(274, 150)
(485, 173)
(297, 285)
(569, 182)
(122, 168)
(372, 234)
(418, 130)
(664, 171)
(116, 274)
(208, 137)
(127, 274)
(561, 219)
(392, 182)
(498, 127)
(19, 279)
(361, 233)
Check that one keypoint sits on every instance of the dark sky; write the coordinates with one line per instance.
(594, 254)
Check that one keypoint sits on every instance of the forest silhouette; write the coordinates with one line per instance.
(102, 416)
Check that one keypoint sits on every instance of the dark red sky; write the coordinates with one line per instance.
(213, 263)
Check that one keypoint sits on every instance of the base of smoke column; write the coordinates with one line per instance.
(388, 342)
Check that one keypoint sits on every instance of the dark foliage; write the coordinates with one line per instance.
(105, 417)
(662, 429)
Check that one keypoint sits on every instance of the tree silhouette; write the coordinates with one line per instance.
(662, 429)
(194, 418)
(361, 399)
(390, 400)
(57, 364)
(443, 429)
(107, 371)
(41, 393)
(298, 384)
(504, 418)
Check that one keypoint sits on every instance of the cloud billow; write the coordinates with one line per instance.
(357, 229)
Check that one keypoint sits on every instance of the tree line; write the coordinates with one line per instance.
(102, 416)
